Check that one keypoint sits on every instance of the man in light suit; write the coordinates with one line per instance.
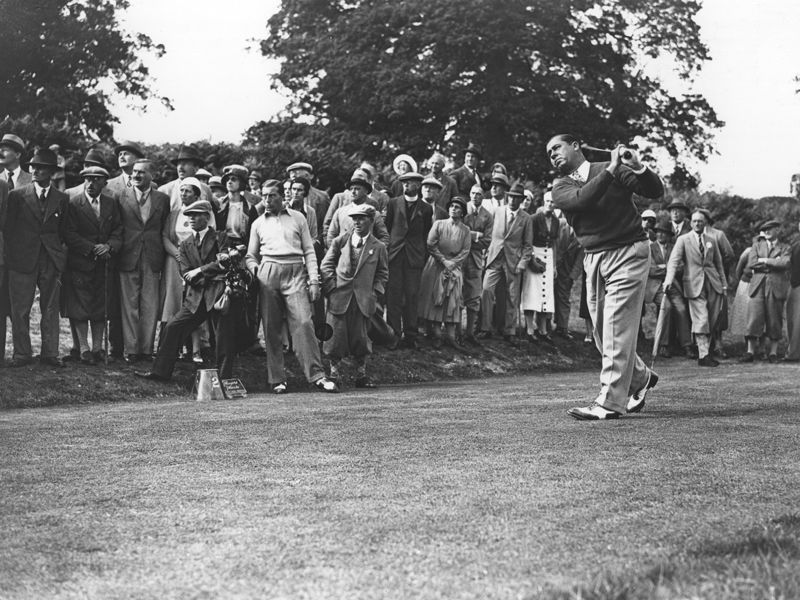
(480, 222)
(408, 221)
(467, 174)
(354, 274)
(699, 257)
(11, 150)
(127, 154)
(36, 257)
(597, 200)
(768, 290)
(510, 250)
(144, 212)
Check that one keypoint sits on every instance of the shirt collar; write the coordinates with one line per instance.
(39, 189)
(410, 199)
(583, 170)
(202, 233)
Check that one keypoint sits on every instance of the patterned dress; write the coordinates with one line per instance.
(441, 297)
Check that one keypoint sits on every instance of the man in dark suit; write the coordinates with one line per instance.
(11, 150)
(596, 199)
(144, 213)
(480, 222)
(93, 234)
(408, 221)
(769, 260)
(697, 255)
(660, 251)
(467, 174)
(5, 303)
(318, 199)
(448, 185)
(510, 250)
(354, 274)
(36, 257)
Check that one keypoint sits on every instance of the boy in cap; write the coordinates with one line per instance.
(354, 273)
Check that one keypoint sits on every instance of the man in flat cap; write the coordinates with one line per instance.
(93, 234)
(36, 257)
(357, 196)
(408, 221)
(354, 273)
(467, 174)
(698, 257)
(127, 153)
(11, 150)
(318, 199)
(430, 191)
(449, 188)
(93, 158)
(768, 290)
(144, 212)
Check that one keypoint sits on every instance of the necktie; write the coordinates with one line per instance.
(702, 246)
(10, 175)
(578, 177)
(197, 239)
(96, 206)
(769, 247)
(511, 221)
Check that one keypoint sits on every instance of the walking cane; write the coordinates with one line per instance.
(105, 314)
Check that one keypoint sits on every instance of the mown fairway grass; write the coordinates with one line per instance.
(479, 489)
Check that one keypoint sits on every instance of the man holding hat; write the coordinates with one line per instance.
(449, 188)
(480, 222)
(429, 193)
(467, 174)
(11, 150)
(769, 288)
(93, 234)
(319, 200)
(510, 250)
(354, 273)
(36, 257)
(145, 214)
(356, 197)
(408, 221)
(498, 189)
(127, 153)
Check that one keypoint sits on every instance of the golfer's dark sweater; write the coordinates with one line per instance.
(602, 211)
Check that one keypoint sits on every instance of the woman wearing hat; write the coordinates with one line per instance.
(402, 164)
(234, 214)
(179, 228)
(449, 243)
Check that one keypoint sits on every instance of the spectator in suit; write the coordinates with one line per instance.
(145, 214)
(298, 192)
(429, 193)
(354, 273)
(93, 158)
(316, 198)
(679, 311)
(698, 257)
(480, 222)
(649, 223)
(793, 306)
(769, 261)
(11, 150)
(402, 164)
(36, 257)
(678, 216)
(5, 302)
(467, 174)
(354, 199)
(187, 163)
(93, 234)
(127, 154)
(510, 250)
(449, 189)
(729, 264)
(498, 189)
(660, 251)
(378, 198)
(408, 221)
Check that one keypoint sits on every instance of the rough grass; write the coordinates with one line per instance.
(479, 489)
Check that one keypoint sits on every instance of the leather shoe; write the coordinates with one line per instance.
(747, 357)
(564, 333)
(150, 375)
(411, 343)
(365, 383)
(636, 401)
(88, 358)
(483, 335)
(51, 361)
(471, 339)
(691, 353)
(664, 352)
(594, 412)
(708, 361)
(19, 362)
(131, 359)
(511, 340)
(773, 358)
(326, 385)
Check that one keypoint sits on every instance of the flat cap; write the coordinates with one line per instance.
(431, 181)
(13, 141)
(300, 165)
(198, 208)
(411, 176)
(363, 210)
(94, 171)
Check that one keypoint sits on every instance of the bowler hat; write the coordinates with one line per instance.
(677, 204)
(458, 200)
(94, 157)
(432, 181)
(404, 158)
(198, 208)
(474, 149)
(768, 224)
(501, 179)
(411, 176)
(13, 141)
(300, 165)
(94, 171)
(44, 157)
(360, 177)
(189, 153)
(363, 210)
(516, 190)
(131, 147)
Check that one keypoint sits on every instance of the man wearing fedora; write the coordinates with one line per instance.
(93, 234)
(698, 257)
(768, 290)
(498, 188)
(597, 200)
(510, 250)
(11, 150)
(448, 185)
(354, 199)
(467, 174)
(354, 274)
(187, 163)
(408, 221)
(678, 216)
(144, 212)
(480, 222)
(127, 153)
(316, 198)
(36, 257)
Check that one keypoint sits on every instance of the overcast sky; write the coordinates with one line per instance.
(219, 88)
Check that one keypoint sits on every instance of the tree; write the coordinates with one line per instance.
(507, 74)
(63, 60)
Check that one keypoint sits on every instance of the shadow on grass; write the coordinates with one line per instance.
(758, 563)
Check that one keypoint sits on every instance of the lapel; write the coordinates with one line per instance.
(33, 202)
(106, 208)
(129, 199)
(52, 204)
(369, 244)
(401, 210)
(207, 245)
(86, 207)
(347, 256)
(507, 217)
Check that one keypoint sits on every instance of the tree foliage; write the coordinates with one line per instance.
(507, 74)
(63, 60)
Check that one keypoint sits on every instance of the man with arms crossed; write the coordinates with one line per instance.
(596, 199)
